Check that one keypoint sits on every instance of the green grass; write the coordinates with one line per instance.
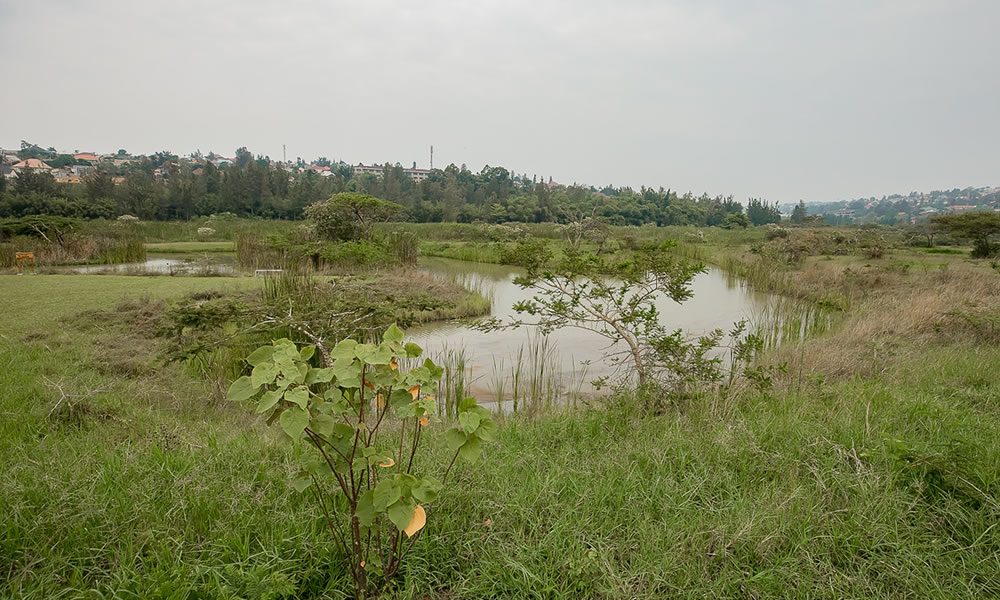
(877, 487)
(190, 247)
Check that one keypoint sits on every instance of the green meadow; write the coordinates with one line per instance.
(869, 468)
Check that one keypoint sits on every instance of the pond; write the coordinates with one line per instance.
(168, 264)
(519, 367)
(499, 366)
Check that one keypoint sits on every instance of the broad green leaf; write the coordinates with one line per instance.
(393, 334)
(322, 424)
(306, 353)
(241, 389)
(301, 482)
(413, 350)
(342, 438)
(471, 449)
(299, 395)
(435, 371)
(401, 513)
(263, 374)
(426, 490)
(379, 356)
(284, 350)
(261, 355)
(454, 438)
(469, 420)
(407, 410)
(319, 376)
(487, 430)
(301, 370)
(400, 397)
(294, 422)
(466, 404)
(365, 510)
(361, 351)
(386, 492)
(268, 400)
(344, 349)
(347, 372)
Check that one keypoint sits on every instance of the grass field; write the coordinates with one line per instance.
(870, 470)
(190, 247)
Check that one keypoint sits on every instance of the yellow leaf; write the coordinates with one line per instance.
(423, 421)
(418, 521)
(414, 391)
(394, 364)
(362, 564)
(387, 464)
(379, 402)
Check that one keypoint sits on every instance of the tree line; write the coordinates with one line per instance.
(163, 187)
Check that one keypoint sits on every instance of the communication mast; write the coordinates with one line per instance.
(432, 156)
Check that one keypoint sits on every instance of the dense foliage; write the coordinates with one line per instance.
(163, 187)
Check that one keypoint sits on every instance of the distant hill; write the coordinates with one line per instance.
(909, 208)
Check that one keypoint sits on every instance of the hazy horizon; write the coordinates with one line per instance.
(817, 101)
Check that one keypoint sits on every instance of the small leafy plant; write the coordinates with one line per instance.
(365, 483)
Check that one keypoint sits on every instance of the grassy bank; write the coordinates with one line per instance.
(881, 487)
(190, 247)
(870, 469)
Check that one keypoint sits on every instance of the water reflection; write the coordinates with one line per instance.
(181, 264)
(719, 301)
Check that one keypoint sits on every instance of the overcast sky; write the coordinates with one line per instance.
(785, 100)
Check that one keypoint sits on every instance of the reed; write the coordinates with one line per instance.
(454, 382)
(254, 252)
(120, 250)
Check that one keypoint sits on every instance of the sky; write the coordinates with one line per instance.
(786, 100)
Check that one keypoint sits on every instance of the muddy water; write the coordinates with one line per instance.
(181, 264)
(572, 357)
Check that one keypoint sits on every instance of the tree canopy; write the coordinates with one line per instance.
(977, 226)
(351, 215)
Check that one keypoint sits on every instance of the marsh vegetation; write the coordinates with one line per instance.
(853, 453)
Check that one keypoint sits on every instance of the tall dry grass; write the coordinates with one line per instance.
(893, 313)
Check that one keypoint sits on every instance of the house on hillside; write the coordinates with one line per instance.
(87, 157)
(31, 164)
(415, 174)
(65, 176)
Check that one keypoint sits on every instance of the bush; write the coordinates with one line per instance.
(367, 487)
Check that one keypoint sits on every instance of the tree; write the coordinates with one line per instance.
(613, 299)
(799, 213)
(351, 215)
(735, 221)
(762, 213)
(977, 226)
(243, 157)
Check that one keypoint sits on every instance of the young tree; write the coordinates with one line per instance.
(613, 299)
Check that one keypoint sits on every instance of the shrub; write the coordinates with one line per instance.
(366, 485)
